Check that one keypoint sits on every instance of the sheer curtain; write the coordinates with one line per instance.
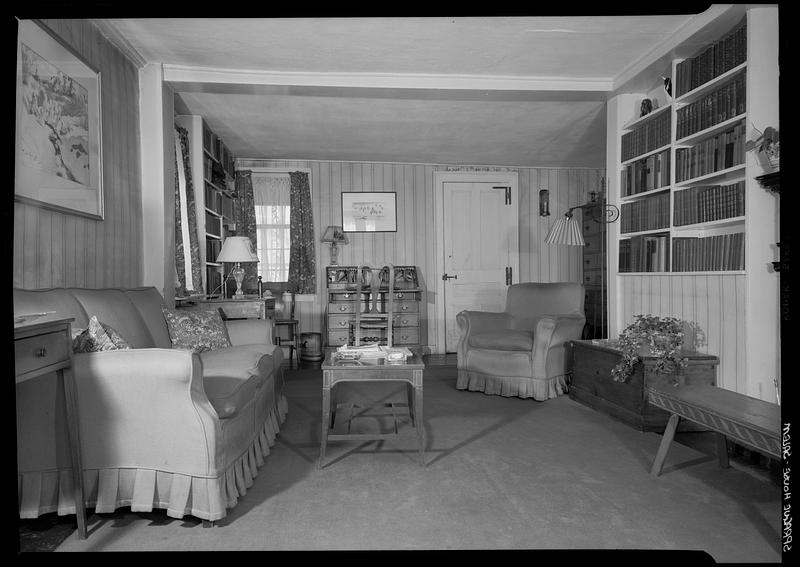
(271, 197)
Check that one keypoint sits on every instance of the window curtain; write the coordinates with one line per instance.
(302, 263)
(244, 215)
(271, 195)
(188, 269)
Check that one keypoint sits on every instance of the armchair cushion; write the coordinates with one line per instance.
(197, 331)
(505, 340)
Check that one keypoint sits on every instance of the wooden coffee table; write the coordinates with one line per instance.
(371, 370)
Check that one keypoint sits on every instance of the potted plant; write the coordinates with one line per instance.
(665, 338)
(768, 145)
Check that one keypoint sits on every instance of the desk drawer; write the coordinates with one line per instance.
(405, 307)
(405, 320)
(338, 337)
(343, 307)
(405, 336)
(40, 351)
(340, 321)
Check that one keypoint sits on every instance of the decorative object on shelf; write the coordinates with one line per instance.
(646, 107)
(544, 203)
(59, 161)
(237, 249)
(665, 338)
(369, 212)
(567, 230)
(335, 235)
(667, 86)
(767, 145)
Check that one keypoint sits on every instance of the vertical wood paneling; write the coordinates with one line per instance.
(53, 249)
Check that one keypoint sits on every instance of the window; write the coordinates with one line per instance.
(271, 199)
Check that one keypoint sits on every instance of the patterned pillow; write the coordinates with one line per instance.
(97, 337)
(197, 331)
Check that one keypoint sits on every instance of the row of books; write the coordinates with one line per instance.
(706, 203)
(722, 104)
(213, 248)
(713, 154)
(646, 214)
(650, 135)
(713, 61)
(722, 252)
(644, 253)
(646, 174)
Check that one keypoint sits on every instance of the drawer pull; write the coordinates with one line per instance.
(405, 307)
(342, 323)
(399, 295)
(342, 308)
(40, 352)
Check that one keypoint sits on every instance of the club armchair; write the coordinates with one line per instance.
(521, 351)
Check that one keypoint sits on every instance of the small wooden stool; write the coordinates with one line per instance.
(292, 341)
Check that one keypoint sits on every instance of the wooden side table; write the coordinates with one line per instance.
(44, 346)
(375, 370)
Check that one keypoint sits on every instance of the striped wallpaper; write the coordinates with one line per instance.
(413, 243)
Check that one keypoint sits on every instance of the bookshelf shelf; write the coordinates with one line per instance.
(719, 223)
(647, 118)
(645, 155)
(644, 194)
(724, 175)
(709, 86)
(709, 132)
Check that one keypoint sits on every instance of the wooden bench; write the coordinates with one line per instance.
(749, 421)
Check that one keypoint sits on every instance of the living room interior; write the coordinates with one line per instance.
(195, 123)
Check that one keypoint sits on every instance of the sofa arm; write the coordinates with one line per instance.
(147, 408)
(469, 322)
(250, 331)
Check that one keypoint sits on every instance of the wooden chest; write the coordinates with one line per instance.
(592, 384)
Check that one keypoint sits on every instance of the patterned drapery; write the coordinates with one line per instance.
(302, 262)
(244, 215)
(189, 273)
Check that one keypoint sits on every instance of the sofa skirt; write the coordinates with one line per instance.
(105, 490)
(539, 389)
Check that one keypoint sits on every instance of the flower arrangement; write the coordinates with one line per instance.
(767, 143)
(662, 337)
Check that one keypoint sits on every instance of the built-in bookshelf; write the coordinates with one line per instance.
(213, 169)
(697, 234)
(682, 167)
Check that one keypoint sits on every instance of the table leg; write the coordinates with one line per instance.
(666, 440)
(419, 421)
(326, 423)
(410, 400)
(67, 380)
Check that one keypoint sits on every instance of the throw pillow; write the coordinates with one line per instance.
(98, 337)
(197, 331)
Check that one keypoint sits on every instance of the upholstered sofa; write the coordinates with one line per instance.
(521, 351)
(160, 427)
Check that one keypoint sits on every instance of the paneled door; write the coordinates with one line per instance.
(481, 248)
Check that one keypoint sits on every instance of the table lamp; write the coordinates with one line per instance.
(335, 235)
(237, 249)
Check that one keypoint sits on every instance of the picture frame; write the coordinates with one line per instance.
(369, 211)
(58, 151)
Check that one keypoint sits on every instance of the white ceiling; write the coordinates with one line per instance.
(449, 90)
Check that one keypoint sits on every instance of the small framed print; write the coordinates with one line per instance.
(59, 162)
(369, 212)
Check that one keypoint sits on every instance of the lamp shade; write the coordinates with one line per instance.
(566, 230)
(335, 234)
(237, 249)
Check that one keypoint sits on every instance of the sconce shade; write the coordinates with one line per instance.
(237, 249)
(566, 230)
(335, 234)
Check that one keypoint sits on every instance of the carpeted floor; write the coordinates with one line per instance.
(501, 473)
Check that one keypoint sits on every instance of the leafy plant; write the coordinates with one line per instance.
(767, 141)
(663, 336)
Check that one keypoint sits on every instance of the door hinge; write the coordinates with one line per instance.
(509, 275)
(507, 190)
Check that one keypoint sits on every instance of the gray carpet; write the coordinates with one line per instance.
(502, 473)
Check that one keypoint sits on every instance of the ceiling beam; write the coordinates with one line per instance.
(187, 74)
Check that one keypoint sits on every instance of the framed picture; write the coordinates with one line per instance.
(369, 212)
(59, 162)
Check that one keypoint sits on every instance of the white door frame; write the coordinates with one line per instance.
(510, 178)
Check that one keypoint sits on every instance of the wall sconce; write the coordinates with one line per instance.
(544, 203)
